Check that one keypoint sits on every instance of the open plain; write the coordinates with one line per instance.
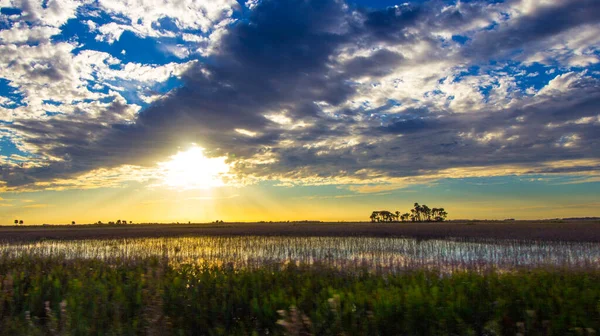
(550, 230)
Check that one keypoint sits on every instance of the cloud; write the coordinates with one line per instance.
(533, 24)
(320, 92)
(37, 206)
(200, 23)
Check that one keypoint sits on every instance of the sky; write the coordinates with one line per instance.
(193, 110)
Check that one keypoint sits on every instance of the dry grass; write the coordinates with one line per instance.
(573, 231)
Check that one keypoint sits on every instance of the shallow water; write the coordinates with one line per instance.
(348, 253)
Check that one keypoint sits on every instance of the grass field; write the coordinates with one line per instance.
(301, 279)
(49, 296)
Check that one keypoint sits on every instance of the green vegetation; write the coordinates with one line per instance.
(420, 213)
(258, 285)
(51, 295)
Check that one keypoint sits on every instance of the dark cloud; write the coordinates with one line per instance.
(391, 25)
(296, 57)
(528, 30)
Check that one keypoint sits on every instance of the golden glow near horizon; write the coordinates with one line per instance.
(190, 169)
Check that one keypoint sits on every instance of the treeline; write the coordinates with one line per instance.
(118, 222)
(420, 213)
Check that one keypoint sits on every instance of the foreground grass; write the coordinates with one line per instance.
(51, 296)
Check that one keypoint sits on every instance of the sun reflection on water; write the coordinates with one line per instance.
(352, 254)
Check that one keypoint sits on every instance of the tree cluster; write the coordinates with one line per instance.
(18, 222)
(118, 222)
(420, 213)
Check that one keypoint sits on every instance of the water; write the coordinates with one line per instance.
(346, 253)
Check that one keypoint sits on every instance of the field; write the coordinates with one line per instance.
(562, 230)
(456, 278)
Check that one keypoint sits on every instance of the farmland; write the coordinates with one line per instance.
(301, 279)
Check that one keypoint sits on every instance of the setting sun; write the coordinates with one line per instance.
(190, 169)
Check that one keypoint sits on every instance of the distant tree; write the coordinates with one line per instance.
(118, 221)
(16, 221)
(386, 216)
(21, 222)
(123, 221)
(418, 213)
(440, 215)
(130, 222)
(99, 222)
(426, 213)
(72, 222)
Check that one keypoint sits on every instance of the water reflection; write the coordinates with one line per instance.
(348, 253)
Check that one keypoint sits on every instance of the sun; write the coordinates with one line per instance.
(190, 169)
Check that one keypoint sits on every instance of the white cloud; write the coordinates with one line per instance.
(52, 13)
(21, 33)
(186, 14)
(561, 83)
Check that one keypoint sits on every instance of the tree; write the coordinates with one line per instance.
(426, 211)
(441, 215)
(386, 216)
(21, 222)
(16, 221)
(72, 222)
(118, 221)
(417, 212)
(123, 222)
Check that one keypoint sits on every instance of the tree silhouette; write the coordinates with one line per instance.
(417, 209)
(72, 222)
(418, 213)
(16, 221)
(383, 216)
(426, 211)
(21, 222)
(440, 215)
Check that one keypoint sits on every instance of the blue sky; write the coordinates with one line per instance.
(363, 98)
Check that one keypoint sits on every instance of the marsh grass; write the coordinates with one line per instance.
(53, 296)
(298, 286)
(383, 255)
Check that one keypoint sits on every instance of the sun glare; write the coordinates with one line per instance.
(190, 169)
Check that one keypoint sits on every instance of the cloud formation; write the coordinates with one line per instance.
(315, 92)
